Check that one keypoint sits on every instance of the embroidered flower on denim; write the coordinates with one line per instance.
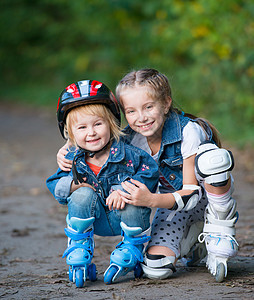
(114, 151)
(95, 184)
(129, 163)
(145, 167)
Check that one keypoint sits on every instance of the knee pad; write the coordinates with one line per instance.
(158, 266)
(214, 164)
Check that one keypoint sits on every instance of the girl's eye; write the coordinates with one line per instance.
(98, 124)
(129, 111)
(149, 107)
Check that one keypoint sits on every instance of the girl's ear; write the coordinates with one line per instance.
(168, 103)
(66, 135)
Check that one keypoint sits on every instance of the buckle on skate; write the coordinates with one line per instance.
(78, 236)
(134, 250)
(76, 246)
(137, 240)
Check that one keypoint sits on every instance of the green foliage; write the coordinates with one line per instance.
(205, 47)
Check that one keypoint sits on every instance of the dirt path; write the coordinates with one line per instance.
(32, 239)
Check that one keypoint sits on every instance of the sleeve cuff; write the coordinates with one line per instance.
(116, 187)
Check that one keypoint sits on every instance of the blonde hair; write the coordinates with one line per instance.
(95, 110)
(159, 89)
(157, 84)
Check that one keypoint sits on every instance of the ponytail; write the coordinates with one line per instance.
(204, 124)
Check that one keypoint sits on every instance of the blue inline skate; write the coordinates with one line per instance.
(128, 254)
(80, 249)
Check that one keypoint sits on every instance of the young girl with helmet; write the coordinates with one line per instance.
(195, 179)
(89, 116)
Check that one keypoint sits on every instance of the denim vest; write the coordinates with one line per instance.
(124, 162)
(170, 160)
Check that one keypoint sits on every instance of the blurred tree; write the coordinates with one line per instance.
(205, 47)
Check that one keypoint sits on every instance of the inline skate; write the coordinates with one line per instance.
(80, 249)
(214, 166)
(128, 254)
(218, 235)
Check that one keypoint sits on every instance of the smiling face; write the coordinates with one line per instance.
(144, 114)
(90, 132)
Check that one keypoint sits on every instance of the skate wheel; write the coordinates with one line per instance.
(92, 274)
(70, 274)
(220, 272)
(138, 271)
(111, 272)
(79, 278)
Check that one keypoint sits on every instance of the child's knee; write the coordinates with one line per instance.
(82, 196)
(214, 164)
(136, 216)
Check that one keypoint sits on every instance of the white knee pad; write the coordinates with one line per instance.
(214, 164)
(158, 266)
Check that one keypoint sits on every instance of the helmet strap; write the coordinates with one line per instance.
(92, 153)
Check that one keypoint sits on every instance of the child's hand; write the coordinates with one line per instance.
(114, 201)
(74, 186)
(137, 193)
(63, 163)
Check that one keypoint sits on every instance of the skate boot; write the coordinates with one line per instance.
(80, 249)
(218, 235)
(128, 254)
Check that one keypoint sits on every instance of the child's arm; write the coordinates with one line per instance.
(139, 195)
(59, 184)
(75, 186)
(191, 140)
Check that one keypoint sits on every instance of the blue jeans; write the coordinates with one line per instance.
(85, 203)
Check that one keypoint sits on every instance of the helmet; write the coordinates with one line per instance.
(82, 93)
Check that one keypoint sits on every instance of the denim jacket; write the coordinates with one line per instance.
(170, 160)
(124, 162)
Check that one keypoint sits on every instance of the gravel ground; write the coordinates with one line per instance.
(32, 239)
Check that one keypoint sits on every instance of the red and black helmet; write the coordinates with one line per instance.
(82, 93)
